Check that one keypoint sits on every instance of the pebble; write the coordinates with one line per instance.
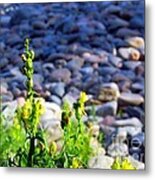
(87, 70)
(120, 77)
(126, 32)
(137, 164)
(118, 149)
(129, 74)
(58, 89)
(115, 23)
(20, 14)
(140, 70)
(116, 61)
(137, 86)
(112, 9)
(124, 86)
(108, 120)
(131, 126)
(70, 98)
(7, 97)
(109, 108)
(55, 99)
(108, 92)
(38, 24)
(16, 92)
(129, 53)
(137, 112)
(128, 122)
(92, 58)
(15, 39)
(107, 70)
(136, 42)
(5, 20)
(131, 64)
(137, 22)
(52, 112)
(48, 66)
(60, 75)
(131, 98)
(3, 63)
(75, 64)
(101, 162)
(38, 78)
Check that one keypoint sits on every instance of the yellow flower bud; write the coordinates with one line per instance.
(53, 147)
(39, 106)
(75, 163)
(32, 54)
(126, 164)
(83, 97)
(26, 110)
(23, 57)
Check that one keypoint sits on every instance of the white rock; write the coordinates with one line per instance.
(54, 132)
(133, 122)
(137, 42)
(137, 164)
(101, 162)
(131, 126)
(118, 149)
(131, 130)
(9, 111)
(55, 111)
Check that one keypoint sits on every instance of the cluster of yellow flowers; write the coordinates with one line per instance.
(124, 164)
(75, 163)
(27, 109)
(31, 112)
(83, 98)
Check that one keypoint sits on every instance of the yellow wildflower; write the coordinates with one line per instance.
(126, 164)
(75, 163)
(53, 147)
(83, 97)
(26, 110)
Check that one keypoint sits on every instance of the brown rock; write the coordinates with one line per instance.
(61, 75)
(131, 98)
(108, 92)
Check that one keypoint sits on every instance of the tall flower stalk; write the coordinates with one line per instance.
(32, 109)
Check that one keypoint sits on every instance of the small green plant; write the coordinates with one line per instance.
(76, 150)
(11, 139)
(122, 164)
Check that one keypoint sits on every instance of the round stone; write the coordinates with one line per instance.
(137, 42)
(60, 75)
(131, 98)
(129, 53)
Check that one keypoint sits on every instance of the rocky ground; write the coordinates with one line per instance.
(95, 47)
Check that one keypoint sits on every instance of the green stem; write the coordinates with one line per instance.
(31, 152)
